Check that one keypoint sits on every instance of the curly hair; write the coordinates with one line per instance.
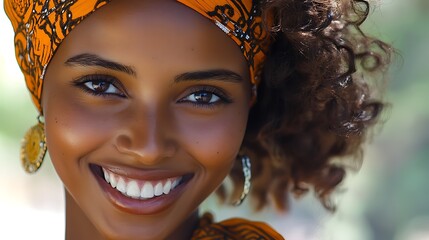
(315, 102)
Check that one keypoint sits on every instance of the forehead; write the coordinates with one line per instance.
(129, 29)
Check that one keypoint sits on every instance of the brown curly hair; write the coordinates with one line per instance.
(315, 101)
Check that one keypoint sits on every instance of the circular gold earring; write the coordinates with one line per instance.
(33, 148)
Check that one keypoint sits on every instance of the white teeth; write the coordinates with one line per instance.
(158, 189)
(147, 190)
(113, 181)
(133, 189)
(175, 183)
(121, 185)
(167, 187)
(106, 176)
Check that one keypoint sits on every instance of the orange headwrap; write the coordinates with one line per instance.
(41, 25)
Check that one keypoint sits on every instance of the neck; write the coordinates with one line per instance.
(78, 226)
(186, 229)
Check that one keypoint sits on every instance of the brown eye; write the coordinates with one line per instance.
(203, 97)
(99, 86)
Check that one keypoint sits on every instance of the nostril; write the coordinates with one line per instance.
(123, 142)
(147, 148)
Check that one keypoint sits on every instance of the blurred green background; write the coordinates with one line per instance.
(388, 199)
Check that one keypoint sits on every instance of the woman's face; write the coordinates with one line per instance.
(153, 97)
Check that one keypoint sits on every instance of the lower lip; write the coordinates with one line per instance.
(138, 206)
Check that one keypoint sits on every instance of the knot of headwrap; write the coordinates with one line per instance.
(41, 25)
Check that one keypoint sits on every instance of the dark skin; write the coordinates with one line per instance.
(149, 90)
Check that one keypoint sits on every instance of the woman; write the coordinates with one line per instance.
(148, 105)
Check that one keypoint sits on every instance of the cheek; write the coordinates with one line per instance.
(215, 143)
(72, 132)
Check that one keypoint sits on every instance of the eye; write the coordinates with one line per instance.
(100, 85)
(204, 96)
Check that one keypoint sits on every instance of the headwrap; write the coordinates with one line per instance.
(41, 25)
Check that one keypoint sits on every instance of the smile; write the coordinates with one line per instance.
(140, 189)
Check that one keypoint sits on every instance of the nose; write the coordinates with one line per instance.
(146, 137)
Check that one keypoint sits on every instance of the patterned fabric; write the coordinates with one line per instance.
(235, 228)
(241, 20)
(41, 25)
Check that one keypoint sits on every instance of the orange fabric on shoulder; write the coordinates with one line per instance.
(234, 228)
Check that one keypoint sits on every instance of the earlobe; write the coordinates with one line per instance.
(254, 95)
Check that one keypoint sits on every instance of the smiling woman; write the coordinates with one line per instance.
(153, 121)
(149, 105)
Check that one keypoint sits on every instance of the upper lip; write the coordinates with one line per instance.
(144, 174)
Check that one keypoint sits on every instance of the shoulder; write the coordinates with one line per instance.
(234, 228)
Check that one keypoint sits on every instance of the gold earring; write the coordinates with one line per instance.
(247, 172)
(33, 148)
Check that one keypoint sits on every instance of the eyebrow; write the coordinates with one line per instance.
(218, 74)
(87, 59)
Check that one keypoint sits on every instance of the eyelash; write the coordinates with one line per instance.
(112, 81)
(80, 82)
(223, 98)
